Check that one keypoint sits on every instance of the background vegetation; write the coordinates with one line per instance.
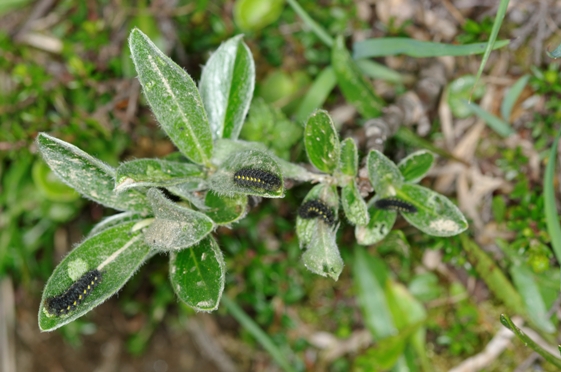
(65, 69)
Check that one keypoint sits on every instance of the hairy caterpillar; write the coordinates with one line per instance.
(394, 204)
(257, 178)
(317, 209)
(78, 291)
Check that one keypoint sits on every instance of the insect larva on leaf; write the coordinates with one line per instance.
(394, 204)
(78, 291)
(317, 209)
(257, 178)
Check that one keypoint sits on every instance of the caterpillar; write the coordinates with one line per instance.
(78, 291)
(317, 209)
(257, 178)
(394, 204)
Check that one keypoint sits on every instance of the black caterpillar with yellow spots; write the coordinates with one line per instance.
(257, 178)
(78, 291)
(317, 209)
(394, 204)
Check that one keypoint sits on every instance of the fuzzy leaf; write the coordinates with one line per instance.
(222, 181)
(173, 97)
(175, 227)
(322, 256)
(383, 174)
(155, 173)
(116, 252)
(436, 215)
(225, 209)
(322, 142)
(349, 157)
(380, 224)
(226, 87)
(88, 175)
(357, 90)
(354, 205)
(415, 166)
(197, 275)
(115, 220)
(224, 149)
(306, 227)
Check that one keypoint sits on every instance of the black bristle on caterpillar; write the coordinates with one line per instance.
(317, 209)
(257, 178)
(78, 291)
(394, 204)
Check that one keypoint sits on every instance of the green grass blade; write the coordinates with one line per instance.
(317, 94)
(257, 332)
(512, 96)
(320, 32)
(495, 123)
(501, 11)
(505, 320)
(493, 276)
(551, 217)
(377, 71)
(390, 46)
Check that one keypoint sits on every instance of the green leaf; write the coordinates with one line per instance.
(493, 276)
(436, 215)
(383, 174)
(497, 124)
(414, 167)
(379, 225)
(550, 207)
(306, 227)
(174, 99)
(262, 337)
(226, 87)
(512, 96)
(175, 227)
(349, 157)
(507, 322)
(322, 255)
(225, 209)
(225, 148)
(371, 296)
(391, 46)
(116, 220)
(197, 275)
(89, 176)
(354, 205)
(529, 291)
(322, 142)
(317, 93)
(357, 90)
(253, 15)
(222, 181)
(155, 173)
(116, 252)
